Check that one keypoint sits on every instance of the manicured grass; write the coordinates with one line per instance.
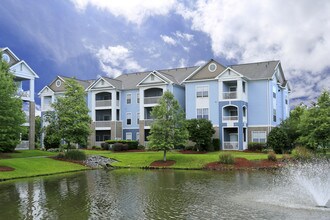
(183, 161)
(28, 167)
(29, 153)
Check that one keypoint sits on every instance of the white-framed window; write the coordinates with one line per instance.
(128, 118)
(259, 136)
(128, 98)
(274, 115)
(212, 67)
(243, 86)
(138, 118)
(129, 136)
(58, 83)
(137, 136)
(232, 88)
(203, 113)
(202, 91)
(138, 98)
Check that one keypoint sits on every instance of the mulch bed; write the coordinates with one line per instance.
(242, 163)
(192, 152)
(161, 163)
(6, 169)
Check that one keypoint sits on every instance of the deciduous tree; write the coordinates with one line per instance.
(200, 132)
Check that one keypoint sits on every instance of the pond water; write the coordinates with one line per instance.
(150, 194)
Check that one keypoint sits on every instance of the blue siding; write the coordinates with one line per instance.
(133, 131)
(133, 108)
(190, 100)
(179, 94)
(257, 111)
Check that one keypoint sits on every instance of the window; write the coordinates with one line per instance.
(232, 89)
(128, 118)
(129, 136)
(58, 83)
(212, 67)
(259, 136)
(202, 91)
(137, 136)
(137, 97)
(129, 98)
(244, 111)
(243, 86)
(138, 118)
(203, 113)
(274, 115)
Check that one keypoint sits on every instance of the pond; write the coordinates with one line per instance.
(150, 194)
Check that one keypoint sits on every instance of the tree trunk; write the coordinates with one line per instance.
(164, 155)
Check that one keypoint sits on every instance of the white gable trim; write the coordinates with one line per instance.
(228, 69)
(46, 87)
(27, 66)
(159, 76)
(11, 52)
(96, 82)
(193, 73)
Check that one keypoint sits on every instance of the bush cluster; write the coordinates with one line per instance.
(96, 147)
(272, 156)
(131, 144)
(119, 147)
(75, 155)
(226, 158)
(255, 146)
(301, 153)
(216, 144)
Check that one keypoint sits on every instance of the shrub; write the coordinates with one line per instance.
(301, 153)
(52, 141)
(226, 158)
(75, 155)
(53, 149)
(105, 146)
(131, 144)
(216, 144)
(96, 147)
(286, 157)
(141, 147)
(210, 148)
(272, 156)
(61, 155)
(119, 147)
(278, 140)
(256, 146)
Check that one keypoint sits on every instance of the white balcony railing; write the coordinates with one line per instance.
(229, 95)
(106, 124)
(230, 118)
(148, 122)
(102, 103)
(24, 94)
(151, 100)
(229, 145)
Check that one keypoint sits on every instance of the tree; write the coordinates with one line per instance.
(71, 114)
(11, 113)
(169, 127)
(315, 124)
(278, 140)
(200, 132)
(37, 131)
(52, 137)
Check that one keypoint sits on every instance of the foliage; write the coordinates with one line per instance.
(52, 137)
(226, 158)
(278, 140)
(256, 146)
(315, 126)
(119, 147)
(97, 147)
(75, 155)
(11, 114)
(301, 153)
(216, 144)
(169, 127)
(200, 132)
(71, 114)
(105, 146)
(38, 130)
(272, 156)
(132, 144)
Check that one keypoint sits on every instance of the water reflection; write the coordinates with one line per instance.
(139, 194)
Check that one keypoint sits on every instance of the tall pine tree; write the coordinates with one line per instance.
(11, 114)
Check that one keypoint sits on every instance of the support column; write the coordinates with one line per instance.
(32, 109)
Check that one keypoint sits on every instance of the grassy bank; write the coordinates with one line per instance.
(183, 161)
(33, 163)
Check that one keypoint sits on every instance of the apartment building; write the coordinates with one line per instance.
(242, 101)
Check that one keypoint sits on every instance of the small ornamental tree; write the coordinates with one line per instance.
(71, 113)
(169, 127)
(200, 132)
(278, 140)
(11, 113)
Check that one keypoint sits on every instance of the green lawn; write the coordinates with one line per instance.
(183, 161)
(28, 163)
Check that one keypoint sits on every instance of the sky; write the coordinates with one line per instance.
(91, 38)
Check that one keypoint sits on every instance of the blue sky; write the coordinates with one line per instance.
(88, 38)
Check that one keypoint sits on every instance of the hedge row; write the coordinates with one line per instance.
(131, 145)
(255, 146)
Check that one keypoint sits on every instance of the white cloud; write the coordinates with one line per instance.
(200, 63)
(168, 39)
(185, 36)
(296, 32)
(115, 60)
(134, 11)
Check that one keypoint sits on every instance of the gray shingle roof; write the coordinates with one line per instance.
(116, 83)
(254, 71)
(84, 83)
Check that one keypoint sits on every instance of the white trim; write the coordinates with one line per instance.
(223, 133)
(127, 134)
(159, 76)
(27, 66)
(216, 66)
(10, 51)
(90, 87)
(201, 86)
(229, 68)
(200, 80)
(259, 126)
(44, 89)
(127, 99)
(128, 113)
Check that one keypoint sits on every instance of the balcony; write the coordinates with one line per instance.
(230, 118)
(229, 95)
(103, 103)
(24, 94)
(148, 122)
(99, 124)
(230, 145)
(151, 100)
